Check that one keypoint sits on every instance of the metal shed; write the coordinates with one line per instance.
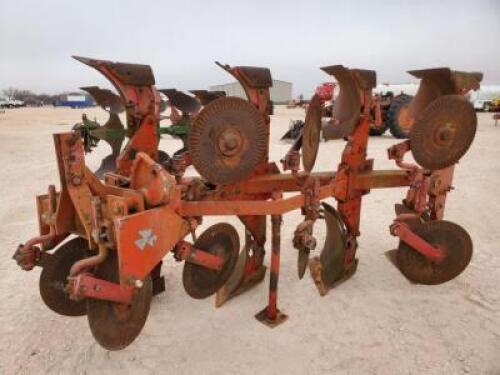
(281, 91)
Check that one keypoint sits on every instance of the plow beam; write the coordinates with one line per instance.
(355, 92)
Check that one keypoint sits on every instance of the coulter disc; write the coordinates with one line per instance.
(312, 133)
(227, 140)
(222, 240)
(115, 325)
(53, 278)
(444, 132)
(451, 238)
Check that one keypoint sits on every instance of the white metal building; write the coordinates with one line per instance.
(281, 91)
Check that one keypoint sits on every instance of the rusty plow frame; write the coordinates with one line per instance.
(128, 221)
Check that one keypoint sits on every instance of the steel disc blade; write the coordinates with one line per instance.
(302, 262)
(448, 236)
(222, 240)
(106, 99)
(114, 325)
(228, 139)
(444, 132)
(53, 278)
(312, 133)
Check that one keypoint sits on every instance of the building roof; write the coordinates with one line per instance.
(236, 82)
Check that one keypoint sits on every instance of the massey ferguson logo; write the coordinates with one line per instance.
(147, 237)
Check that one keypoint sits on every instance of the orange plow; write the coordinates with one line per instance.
(102, 241)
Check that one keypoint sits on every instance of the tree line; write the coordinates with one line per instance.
(29, 97)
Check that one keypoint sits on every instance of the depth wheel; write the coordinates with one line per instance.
(451, 238)
(222, 240)
(115, 325)
(54, 275)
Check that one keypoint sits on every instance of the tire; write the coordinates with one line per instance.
(378, 131)
(399, 102)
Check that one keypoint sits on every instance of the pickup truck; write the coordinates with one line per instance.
(11, 103)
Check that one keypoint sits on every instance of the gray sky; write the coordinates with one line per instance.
(181, 39)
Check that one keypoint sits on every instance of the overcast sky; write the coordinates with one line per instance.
(181, 39)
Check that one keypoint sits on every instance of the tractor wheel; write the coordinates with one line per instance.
(378, 130)
(54, 276)
(395, 116)
(116, 325)
(451, 238)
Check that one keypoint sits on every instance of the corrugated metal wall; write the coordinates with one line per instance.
(281, 92)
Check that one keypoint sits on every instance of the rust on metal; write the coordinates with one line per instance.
(146, 208)
(220, 240)
(436, 82)
(182, 101)
(205, 96)
(355, 92)
(444, 132)
(454, 248)
(312, 133)
(227, 140)
(105, 98)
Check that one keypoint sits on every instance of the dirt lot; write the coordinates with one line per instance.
(376, 323)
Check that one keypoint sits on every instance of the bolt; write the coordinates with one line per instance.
(76, 180)
(138, 284)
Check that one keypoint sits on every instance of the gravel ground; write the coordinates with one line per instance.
(376, 323)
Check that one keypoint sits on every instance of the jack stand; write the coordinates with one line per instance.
(271, 315)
